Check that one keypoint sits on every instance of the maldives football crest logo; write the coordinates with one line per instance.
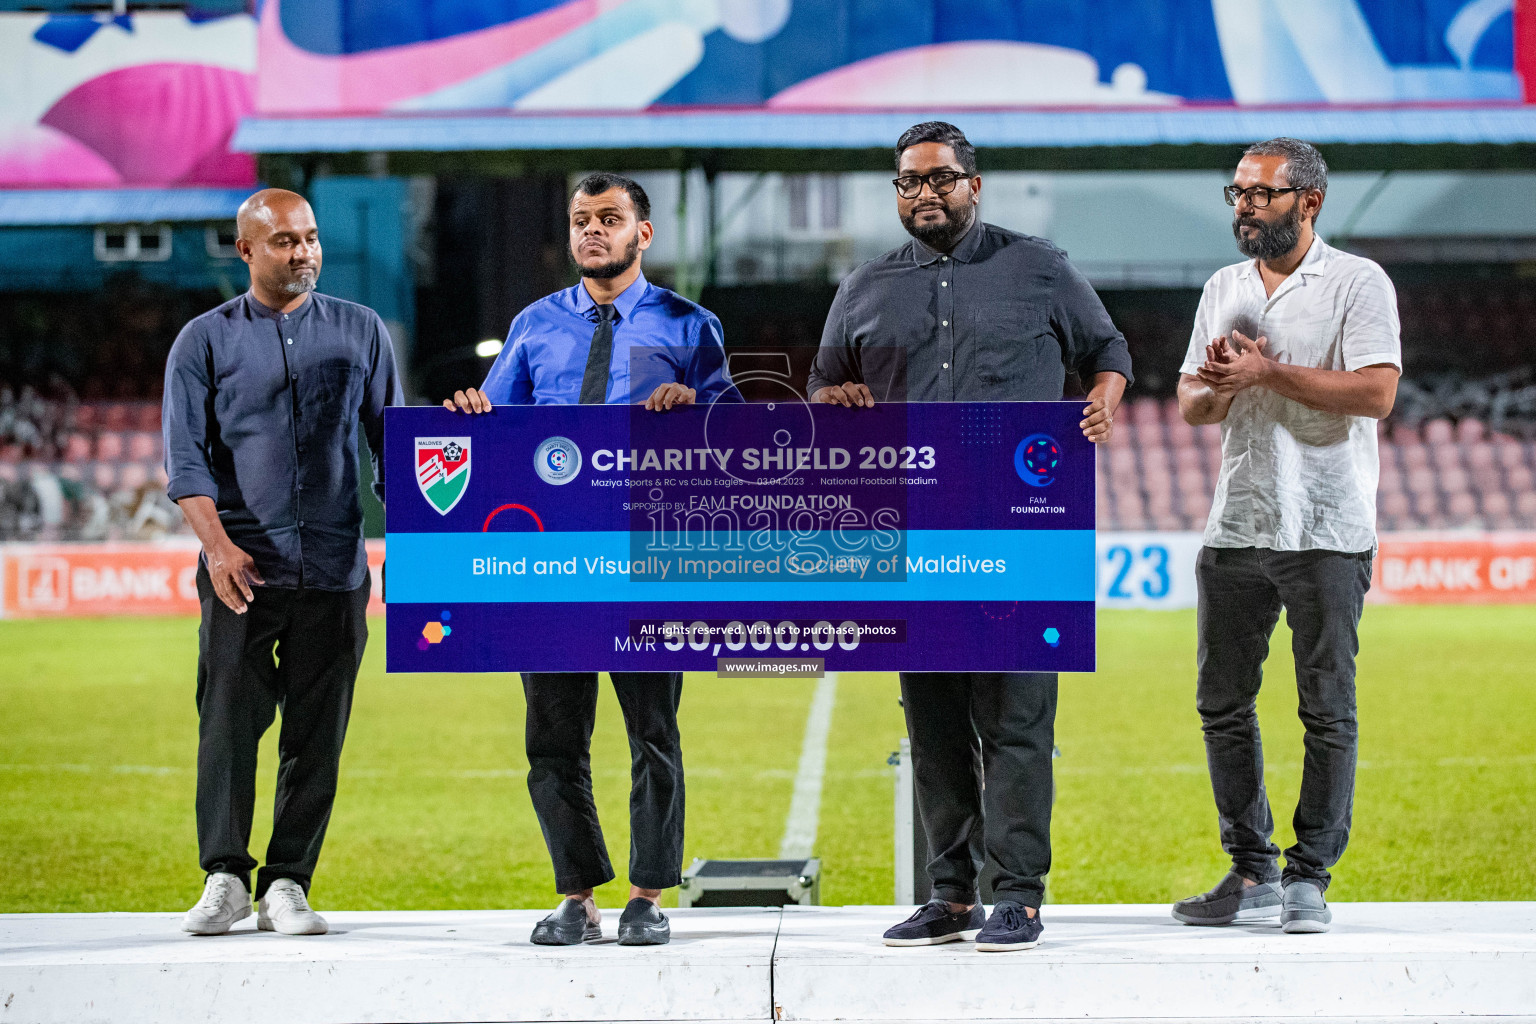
(442, 470)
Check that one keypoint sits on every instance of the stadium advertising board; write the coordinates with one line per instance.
(1453, 568)
(1147, 570)
(1157, 570)
(567, 538)
(1135, 570)
(61, 580)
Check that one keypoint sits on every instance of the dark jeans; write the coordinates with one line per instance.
(317, 637)
(1241, 593)
(562, 708)
(970, 728)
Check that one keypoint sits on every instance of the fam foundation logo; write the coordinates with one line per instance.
(557, 460)
(442, 470)
(1036, 459)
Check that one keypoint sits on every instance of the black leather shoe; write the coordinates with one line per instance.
(643, 924)
(567, 926)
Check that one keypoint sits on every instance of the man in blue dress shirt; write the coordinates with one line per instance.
(615, 338)
(263, 399)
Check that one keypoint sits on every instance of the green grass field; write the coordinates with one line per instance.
(98, 738)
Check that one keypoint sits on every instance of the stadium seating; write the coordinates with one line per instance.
(1159, 474)
(108, 456)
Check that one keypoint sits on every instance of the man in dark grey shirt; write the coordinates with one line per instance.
(986, 315)
(263, 399)
(969, 312)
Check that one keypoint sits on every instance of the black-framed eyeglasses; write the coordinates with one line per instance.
(942, 183)
(1259, 195)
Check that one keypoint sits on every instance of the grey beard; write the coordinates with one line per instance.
(298, 286)
(942, 237)
(614, 268)
(1272, 240)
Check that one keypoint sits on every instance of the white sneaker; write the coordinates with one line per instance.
(224, 902)
(284, 909)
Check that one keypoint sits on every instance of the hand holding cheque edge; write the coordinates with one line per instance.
(846, 395)
(473, 400)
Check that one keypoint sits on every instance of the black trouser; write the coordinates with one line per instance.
(1241, 593)
(562, 708)
(970, 728)
(318, 636)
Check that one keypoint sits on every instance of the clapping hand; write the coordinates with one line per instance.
(1231, 367)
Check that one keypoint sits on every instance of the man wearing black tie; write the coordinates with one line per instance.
(614, 338)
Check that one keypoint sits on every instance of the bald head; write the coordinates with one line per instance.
(261, 209)
(278, 238)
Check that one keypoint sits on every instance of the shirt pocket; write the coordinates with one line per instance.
(333, 394)
(1007, 340)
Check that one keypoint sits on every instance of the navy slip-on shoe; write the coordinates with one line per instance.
(568, 925)
(1010, 927)
(643, 924)
(1231, 901)
(933, 923)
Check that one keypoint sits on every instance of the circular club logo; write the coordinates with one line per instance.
(557, 460)
(1036, 459)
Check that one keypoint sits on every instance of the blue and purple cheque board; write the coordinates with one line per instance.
(916, 537)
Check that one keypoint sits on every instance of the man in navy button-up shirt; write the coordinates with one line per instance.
(263, 399)
(261, 417)
(611, 338)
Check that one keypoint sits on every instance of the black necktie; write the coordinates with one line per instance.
(594, 382)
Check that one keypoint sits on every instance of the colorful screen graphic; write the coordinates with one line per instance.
(152, 98)
(146, 99)
(359, 56)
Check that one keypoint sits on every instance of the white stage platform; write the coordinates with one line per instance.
(1121, 963)
(378, 966)
(1401, 961)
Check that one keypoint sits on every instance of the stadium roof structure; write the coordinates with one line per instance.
(754, 128)
(68, 207)
(1431, 136)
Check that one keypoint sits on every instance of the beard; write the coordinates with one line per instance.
(943, 235)
(1269, 241)
(296, 283)
(613, 268)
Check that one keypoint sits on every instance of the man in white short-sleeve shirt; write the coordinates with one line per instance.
(1295, 352)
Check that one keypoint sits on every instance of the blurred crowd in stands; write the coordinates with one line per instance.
(72, 470)
(80, 439)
